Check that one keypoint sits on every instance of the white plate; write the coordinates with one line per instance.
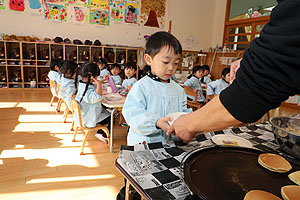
(231, 140)
(174, 116)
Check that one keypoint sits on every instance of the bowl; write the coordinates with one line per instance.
(287, 134)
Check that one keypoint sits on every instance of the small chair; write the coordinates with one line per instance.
(60, 100)
(195, 103)
(53, 85)
(86, 130)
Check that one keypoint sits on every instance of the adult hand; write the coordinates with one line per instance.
(163, 124)
(180, 128)
(233, 69)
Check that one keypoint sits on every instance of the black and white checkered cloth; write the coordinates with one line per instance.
(155, 166)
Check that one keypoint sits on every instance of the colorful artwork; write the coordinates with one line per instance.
(2, 6)
(77, 14)
(98, 16)
(55, 1)
(55, 12)
(153, 13)
(103, 4)
(82, 2)
(131, 13)
(117, 10)
(35, 4)
(17, 5)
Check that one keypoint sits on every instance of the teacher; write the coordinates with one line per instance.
(268, 74)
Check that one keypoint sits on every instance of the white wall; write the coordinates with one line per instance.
(201, 19)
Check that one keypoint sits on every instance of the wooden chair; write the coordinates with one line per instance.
(86, 130)
(53, 85)
(194, 104)
(60, 100)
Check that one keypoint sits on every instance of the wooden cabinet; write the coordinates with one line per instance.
(26, 64)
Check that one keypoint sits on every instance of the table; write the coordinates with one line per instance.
(153, 169)
(113, 101)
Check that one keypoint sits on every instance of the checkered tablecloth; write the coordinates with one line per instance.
(155, 166)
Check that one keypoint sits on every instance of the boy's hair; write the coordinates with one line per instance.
(195, 69)
(54, 62)
(225, 71)
(131, 65)
(87, 71)
(115, 65)
(60, 65)
(101, 61)
(146, 69)
(162, 39)
(205, 67)
(69, 69)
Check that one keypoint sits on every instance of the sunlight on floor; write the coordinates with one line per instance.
(8, 104)
(63, 179)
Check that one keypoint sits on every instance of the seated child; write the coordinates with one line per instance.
(89, 96)
(215, 87)
(193, 83)
(156, 95)
(102, 64)
(54, 73)
(68, 87)
(115, 71)
(130, 73)
(206, 78)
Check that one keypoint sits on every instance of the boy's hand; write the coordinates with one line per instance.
(195, 91)
(95, 81)
(163, 124)
(105, 78)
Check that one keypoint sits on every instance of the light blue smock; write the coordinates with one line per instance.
(91, 107)
(103, 72)
(216, 87)
(147, 101)
(206, 79)
(117, 79)
(129, 82)
(54, 76)
(67, 90)
(194, 83)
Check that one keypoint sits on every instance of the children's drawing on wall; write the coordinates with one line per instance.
(117, 10)
(55, 12)
(153, 13)
(77, 14)
(82, 2)
(131, 13)
(17, 5)
(2, 5)
(103, 4)
(55, 1)
(99, 16)
(34, 7)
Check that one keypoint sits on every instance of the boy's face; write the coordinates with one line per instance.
(199, 74)
(206, 72)
(129, 72)
(163, 64)
(101, 66)
(227, 77)
(115, 71)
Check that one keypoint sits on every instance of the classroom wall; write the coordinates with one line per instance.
(198, 24)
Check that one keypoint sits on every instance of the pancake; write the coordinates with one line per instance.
(260, 195)
(274, 162)
(290, 192)
(295, 177)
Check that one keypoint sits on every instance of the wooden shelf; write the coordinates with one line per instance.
(38, 65)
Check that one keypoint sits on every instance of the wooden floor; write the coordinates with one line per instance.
(38, 159)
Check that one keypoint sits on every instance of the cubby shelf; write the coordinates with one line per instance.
(29, 61)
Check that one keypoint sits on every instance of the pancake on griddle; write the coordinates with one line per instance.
(274, 162)
(260, 195)
(295, 177)
(290, 192)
